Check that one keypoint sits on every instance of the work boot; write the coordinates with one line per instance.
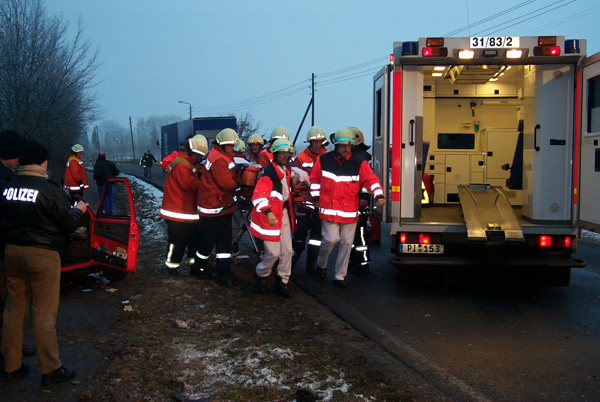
(260, 284)
(340, 283)
(18, 373)
(281, 288)
(173, 271)
(321, 272)
(61, 374)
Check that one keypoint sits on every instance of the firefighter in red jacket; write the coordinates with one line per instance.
(273, 218)
(336, 182)
(216, 205)
(255, 142)
(75, 177)
(307, 217)
(179, 206)
(266, 157)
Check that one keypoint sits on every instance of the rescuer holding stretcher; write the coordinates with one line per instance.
(307, 217)
(179, 206)
(336, 181)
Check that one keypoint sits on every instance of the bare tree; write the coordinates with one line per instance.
(115, 139)
(45, 79)
(147, 131)
(246, 126)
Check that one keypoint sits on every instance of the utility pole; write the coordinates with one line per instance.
(131, 131)
(313, 99)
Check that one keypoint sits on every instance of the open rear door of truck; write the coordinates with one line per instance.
(587, 194)
(115, 232)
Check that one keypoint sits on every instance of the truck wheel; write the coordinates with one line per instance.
(113, 274)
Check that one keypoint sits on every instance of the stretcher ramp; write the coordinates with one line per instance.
(488, 214)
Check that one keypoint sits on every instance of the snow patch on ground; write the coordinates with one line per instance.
(592, 237)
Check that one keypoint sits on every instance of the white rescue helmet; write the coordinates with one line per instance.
(77, 148)
(256, 139)
(344, 136)
(227, 136)
(315, 133)
(359, 137)
(198, 144)
(282, 145)
(239, 147)
(280, 132)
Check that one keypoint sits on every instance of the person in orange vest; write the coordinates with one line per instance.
(266, 157)
(307, 217)
(179, 206)
(216, 205)
(75, 177)
(256, 143)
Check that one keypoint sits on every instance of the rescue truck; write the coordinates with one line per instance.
(507, 129)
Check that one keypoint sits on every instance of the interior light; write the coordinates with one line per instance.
(484, 66)
(545, 241)
(514, 53)
(439, 68)
(507, 67)
(437, 74)
(466, 54)
(494, 79)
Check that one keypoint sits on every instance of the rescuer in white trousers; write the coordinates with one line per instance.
(281, 250)
(333, 233)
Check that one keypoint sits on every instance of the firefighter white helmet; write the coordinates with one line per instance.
(282, 145)
(280, 132)
(198, 144)
(343, 136)
(359, 136)
(239, 147)
(256, 139)
(227, 136)
(77, 148)
(315, 133)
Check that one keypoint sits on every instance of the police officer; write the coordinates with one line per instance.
(216, 205)
(360, 257)
(75, 177)
(273, 218)
(265, 157)
(336, 181)
(179, 206)
(36, 217)
(307, 217)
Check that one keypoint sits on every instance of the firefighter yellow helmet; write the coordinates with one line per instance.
(315, 133)
(239, 147)
(359, 136)
(256, 139)
(227, 136)
(343, 136)
(198, 144)
(280, 132)
(77, 148)
(282, 145)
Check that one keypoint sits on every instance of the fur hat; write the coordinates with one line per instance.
(33, 153)
(11, 144)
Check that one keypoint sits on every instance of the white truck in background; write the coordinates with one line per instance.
(508, 130)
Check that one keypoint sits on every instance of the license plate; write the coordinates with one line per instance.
(422, 248)
(494, 42)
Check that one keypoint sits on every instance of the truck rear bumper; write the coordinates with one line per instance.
(441, 260)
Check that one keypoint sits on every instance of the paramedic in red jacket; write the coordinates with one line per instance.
(75, 175)
(179, 205)
(273, 219)
(307, 217)
(336, 182)
(216, 205)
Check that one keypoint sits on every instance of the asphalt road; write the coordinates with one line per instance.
(475, 341)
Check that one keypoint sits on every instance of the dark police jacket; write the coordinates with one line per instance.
(36, 211)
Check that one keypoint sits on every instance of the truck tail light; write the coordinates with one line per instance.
(546, 51)
(546, 40)
(423, 239)
(545, 241)
(555, 241)
(568, 241)
(402, 238)
(435, 52)
(417, 238)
